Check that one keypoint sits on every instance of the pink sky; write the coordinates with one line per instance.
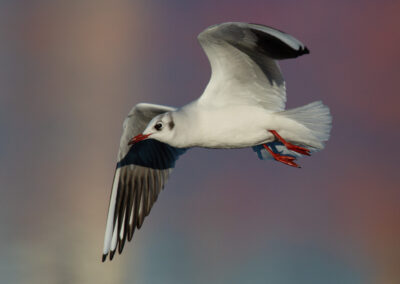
(73, 71)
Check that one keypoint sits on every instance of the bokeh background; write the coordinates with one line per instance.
(71, 70)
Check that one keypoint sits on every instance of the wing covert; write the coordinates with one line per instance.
(243, 59)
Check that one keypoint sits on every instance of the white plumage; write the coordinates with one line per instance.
(242, 106)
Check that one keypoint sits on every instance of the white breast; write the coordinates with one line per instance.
(233, 126)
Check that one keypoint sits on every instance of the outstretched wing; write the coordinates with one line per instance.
(141, 173)
(244, 67)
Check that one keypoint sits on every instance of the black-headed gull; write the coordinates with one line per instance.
(242, 106)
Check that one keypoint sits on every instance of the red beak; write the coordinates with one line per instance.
(138, 138)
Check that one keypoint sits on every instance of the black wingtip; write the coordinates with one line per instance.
(121, 245)
(112, 254)
(104, 257)
(131, 231)
(303, 50)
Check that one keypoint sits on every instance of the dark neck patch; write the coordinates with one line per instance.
(171, 124)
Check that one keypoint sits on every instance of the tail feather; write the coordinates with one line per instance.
(316, 117)
(317, 120)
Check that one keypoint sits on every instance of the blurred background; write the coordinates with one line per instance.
(70, 71)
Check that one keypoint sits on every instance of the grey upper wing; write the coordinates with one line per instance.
(141, 173)
(243, 62)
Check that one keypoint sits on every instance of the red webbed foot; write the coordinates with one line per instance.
(298, 149)
(290, 146)
(288, 160)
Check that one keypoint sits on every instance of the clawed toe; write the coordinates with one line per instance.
(290, 146)
(288, 160)
(298, 149)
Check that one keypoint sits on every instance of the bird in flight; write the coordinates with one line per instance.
(242, 106)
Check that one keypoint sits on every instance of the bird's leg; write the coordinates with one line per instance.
(290, 146)
(288, 160)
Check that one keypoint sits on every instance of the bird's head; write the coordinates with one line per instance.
(160, 128)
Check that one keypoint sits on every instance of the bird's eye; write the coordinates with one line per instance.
(158, 126)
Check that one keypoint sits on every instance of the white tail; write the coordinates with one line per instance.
(317, 122)
(317, 118)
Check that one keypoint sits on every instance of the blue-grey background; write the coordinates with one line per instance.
(71, 70)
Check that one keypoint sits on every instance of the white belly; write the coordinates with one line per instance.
(232, 127)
